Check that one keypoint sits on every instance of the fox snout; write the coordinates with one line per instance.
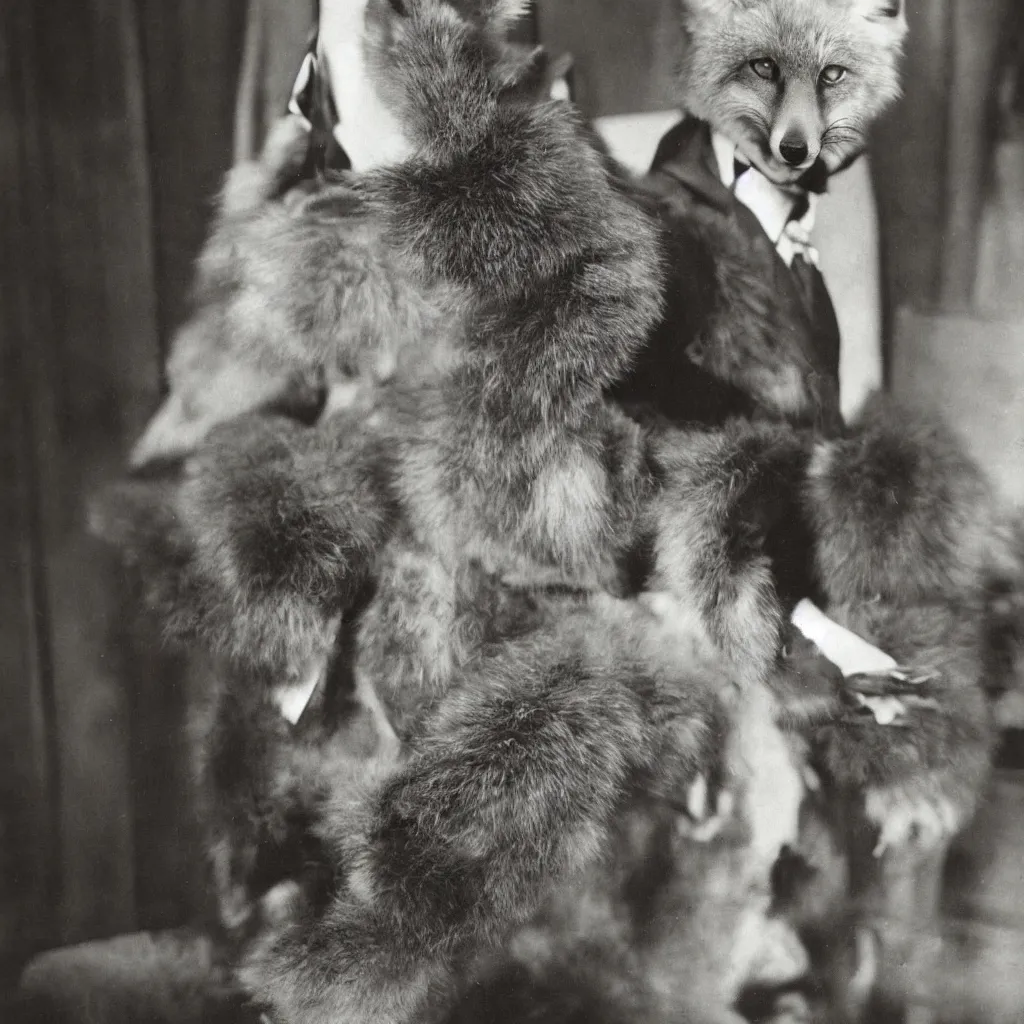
(796, 134)
(793, 149)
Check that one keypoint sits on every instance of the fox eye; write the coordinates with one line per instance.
(766, 68)
(832, 74)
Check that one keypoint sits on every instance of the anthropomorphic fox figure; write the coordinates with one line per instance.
(778, 95)
(528, 722)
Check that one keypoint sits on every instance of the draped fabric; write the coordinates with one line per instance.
(276, 36)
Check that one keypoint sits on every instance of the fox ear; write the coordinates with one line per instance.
(511, 10)
(523, 66)
(497, 12)
(882, 10)
(695, 9)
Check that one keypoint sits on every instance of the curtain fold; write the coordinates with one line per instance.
(276, 34)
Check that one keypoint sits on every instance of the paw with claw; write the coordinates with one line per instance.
(707, 811)
(905, 815)
(889, 695)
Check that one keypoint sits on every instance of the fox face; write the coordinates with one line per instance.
(792, 82)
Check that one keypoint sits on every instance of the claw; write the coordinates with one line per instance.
(697, 799)
(887, 694)
(904, 818)
(897, 680)
(811, 779)
(866, 971)
(278, 906)
(887, 710)
(293, 696)
(706, 816)
(791, 1008)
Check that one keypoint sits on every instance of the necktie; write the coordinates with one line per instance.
(773, 207)
(785, 214)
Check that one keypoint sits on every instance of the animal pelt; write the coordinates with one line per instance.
(268, 533)
(547, 282)
(513, 785)
(650, 934)
(723, 499)
(208, 383)
(666, 926)
(909, 544)
(283, 261)
(266, 780)
(286, 260)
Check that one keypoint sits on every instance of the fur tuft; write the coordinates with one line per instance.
(264, 541)
(899, 511)
(945, 745)
(499, 13)
(287, 524)
(725, 499)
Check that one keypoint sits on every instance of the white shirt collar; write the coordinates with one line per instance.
(770, 204)
(725, 156)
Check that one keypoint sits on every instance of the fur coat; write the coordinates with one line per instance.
(551, 613)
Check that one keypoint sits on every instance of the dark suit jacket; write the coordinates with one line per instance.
(744, 334)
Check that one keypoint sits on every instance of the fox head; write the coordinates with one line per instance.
(792, 82)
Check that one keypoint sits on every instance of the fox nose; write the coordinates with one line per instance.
(794, 151)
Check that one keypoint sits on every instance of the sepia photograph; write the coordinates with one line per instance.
(512, 511)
